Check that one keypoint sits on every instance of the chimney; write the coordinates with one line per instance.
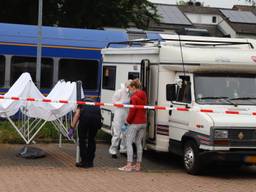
(198, 4)
(190, 3)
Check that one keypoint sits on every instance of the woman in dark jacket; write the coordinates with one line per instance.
(136, 122)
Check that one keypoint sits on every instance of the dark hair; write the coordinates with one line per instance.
(85, 99)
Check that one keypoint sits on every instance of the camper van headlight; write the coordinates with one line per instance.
(221, 134)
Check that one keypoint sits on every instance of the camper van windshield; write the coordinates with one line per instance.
(225, 89)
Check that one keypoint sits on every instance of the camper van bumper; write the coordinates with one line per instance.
(246, 156)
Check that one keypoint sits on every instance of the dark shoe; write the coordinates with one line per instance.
(114, 156)
(123, 154)
(81, 165)
(88, 165)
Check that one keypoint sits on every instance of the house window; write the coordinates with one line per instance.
(214, 19)
(109, 77)
(133, 75)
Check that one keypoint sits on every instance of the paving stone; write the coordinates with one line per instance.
(161, 173)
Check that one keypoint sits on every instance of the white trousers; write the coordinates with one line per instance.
(118, 137)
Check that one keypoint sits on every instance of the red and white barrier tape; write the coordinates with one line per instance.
(30, 99)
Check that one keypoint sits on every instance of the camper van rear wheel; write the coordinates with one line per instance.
(191, 158)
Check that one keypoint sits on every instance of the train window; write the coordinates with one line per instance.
(109, 77)
(20, 65)
(133, 75)
(2, 70)
(84, 70)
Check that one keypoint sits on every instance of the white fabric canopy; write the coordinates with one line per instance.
(19, 89)
(25, 88)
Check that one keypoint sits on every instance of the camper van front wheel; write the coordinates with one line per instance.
(191, 157)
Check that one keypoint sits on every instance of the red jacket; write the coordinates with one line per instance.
(137, 116)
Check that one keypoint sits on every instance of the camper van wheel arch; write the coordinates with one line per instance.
(191, 157)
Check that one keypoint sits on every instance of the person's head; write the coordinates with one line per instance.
(85, 99)
(134, 85)
(127, 84)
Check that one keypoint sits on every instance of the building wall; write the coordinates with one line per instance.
(246, 36)
(207, 19)
(226, 29)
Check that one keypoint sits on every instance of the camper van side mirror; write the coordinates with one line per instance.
(171, 92)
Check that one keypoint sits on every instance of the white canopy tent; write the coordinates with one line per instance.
(34, 115)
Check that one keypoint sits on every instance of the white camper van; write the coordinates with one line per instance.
(212, 81)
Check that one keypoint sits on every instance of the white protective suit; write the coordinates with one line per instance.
(120, 114)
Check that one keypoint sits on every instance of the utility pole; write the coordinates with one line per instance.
(39, 43)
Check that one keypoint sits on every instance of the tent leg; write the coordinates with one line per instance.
(77, 148)
(60, 140)
(17, 129)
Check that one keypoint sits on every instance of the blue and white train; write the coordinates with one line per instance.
(67, 53)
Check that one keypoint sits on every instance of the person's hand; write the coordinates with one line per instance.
(71, 132)
(124, 128)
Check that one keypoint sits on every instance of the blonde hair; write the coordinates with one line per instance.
(136, 83)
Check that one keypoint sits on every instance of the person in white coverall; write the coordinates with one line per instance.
(121, 96)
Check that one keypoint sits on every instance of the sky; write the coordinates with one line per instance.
(211, 3)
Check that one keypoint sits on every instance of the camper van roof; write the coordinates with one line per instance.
(209, 40)
(196, 53)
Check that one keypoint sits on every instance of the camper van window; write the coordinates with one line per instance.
(109, 77)
(20, 65)
(83, 70)
(2, 70)
(184, 92)
(133, 75)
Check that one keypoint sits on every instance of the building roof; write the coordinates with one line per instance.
(174, 18)
(240, 27)
(199, 10)
(245, 8)
(178, 25)
(171, 15)
(244, 28)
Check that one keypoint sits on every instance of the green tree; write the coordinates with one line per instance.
(181, 2)
(80, 13)
(18, 11)
(110, 13)
(253, 2)
(26, 11)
